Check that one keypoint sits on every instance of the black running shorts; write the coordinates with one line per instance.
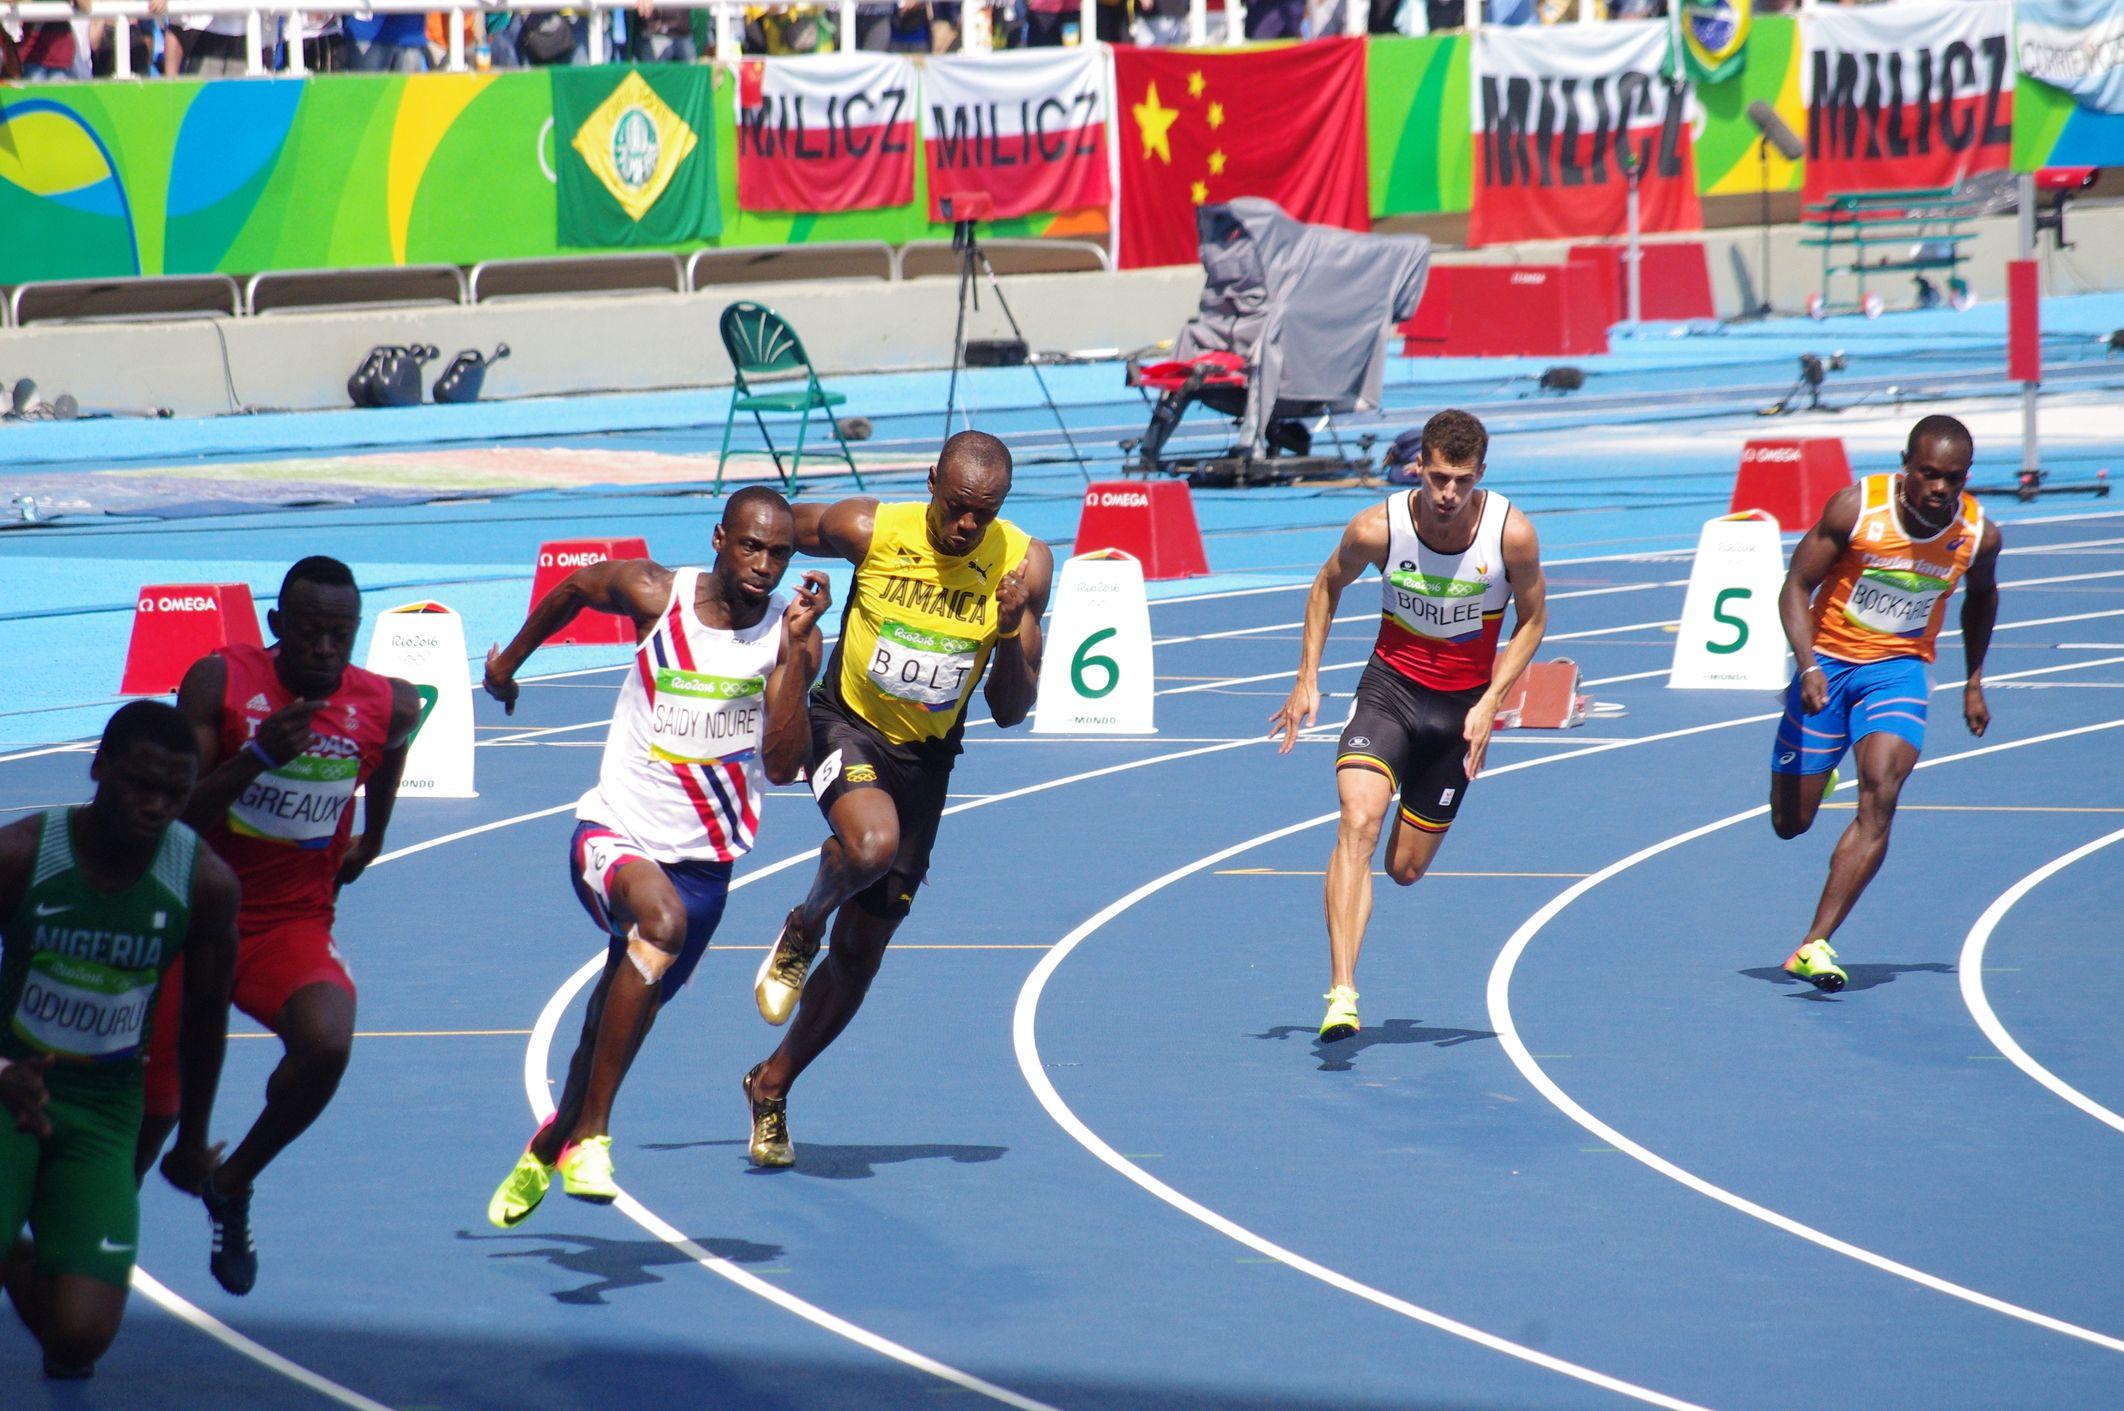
(1411, 734)
(849, 753)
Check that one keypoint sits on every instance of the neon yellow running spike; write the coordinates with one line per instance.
(1830, 787)
(586, 1171)
(1341, 1021)
(1815, 963)
(520, 1192)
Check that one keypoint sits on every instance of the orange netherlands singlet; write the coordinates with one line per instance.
(1887, 595)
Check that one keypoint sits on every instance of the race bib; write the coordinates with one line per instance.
(1894, 601)
(931, 669)
(302, 802)
(699, 718)
(80, 1009)
(1434, 606)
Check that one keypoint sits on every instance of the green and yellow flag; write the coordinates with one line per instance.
(1710, 38)
(634, 155)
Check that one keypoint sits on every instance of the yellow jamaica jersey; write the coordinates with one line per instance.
(919, 627)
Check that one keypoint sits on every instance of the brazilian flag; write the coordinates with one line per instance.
(634, 154)
(1710, 38)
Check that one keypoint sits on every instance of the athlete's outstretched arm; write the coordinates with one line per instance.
(1980, 611)
(1014, 672)
(840, 530)
(1530, 619)
(22, 1091)
(787, 737)
(1816, 554)
(281, 736)
(380, 794)
(1363, 546)
(632, 588)
(202, 1038)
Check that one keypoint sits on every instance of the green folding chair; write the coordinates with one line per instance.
(763, 347)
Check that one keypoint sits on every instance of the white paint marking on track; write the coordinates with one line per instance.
(1971, 967)
(538, 1053)
(1500, 1011)
(1030, 1066)
(157, 1293)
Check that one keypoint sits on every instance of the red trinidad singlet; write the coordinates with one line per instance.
(285, 835)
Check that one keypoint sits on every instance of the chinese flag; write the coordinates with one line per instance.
(1200, 127)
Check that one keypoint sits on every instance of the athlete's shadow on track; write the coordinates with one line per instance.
(618, 1264)
(853, 1163)
(1863, 977)
(1335, 1057)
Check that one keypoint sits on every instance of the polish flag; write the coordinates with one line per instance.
(827, 132)
(1026, 128)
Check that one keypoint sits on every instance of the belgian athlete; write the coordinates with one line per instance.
(287, 735)
(96, 905)
(944, 592)
(1450, 556)
(712, 712)
(1862, 605)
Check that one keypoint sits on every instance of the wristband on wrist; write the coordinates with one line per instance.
(257, 752)
(1815, 669)
(1012, 634)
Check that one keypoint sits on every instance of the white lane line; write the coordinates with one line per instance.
(1500, 1011)
(1025, 1018)
(156, 1292)
(1971, 966)
(538, 1053)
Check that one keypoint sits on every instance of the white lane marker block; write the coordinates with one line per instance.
(424, 643)
(1096, 676)
(1730, 638)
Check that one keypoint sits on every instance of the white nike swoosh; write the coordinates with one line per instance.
(109, 1248)
(43, 910)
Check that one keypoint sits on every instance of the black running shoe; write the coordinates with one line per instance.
(234, 1260)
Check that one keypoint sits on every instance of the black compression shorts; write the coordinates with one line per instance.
(848, 753)
(1411, 734)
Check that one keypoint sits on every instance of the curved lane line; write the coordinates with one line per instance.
(1971, 967)
(1500, 1010)
(1025, 1040)
(156, 1292)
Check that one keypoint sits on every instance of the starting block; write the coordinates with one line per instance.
(1152, 521)
(1544, 698)
(560, 557)
(1790, 479)
(175, 624)
(424, 643)
(1095, 660)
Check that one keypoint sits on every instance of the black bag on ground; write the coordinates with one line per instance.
(389, 376)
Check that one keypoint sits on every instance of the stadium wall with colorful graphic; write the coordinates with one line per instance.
(1727, 152)
(106, 179)
(1416, 107)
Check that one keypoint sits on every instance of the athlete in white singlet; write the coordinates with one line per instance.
(711, 712)
(1450, 556)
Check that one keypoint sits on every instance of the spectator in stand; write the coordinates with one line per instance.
(801, 29)
(908, 27)
(1160, 23)
(212, 46)
(55, 51)
(665, 36)
(1274, 19)
(324, 43)
(387, 43)
(1051, 23)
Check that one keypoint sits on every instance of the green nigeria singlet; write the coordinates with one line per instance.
(79, 967)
